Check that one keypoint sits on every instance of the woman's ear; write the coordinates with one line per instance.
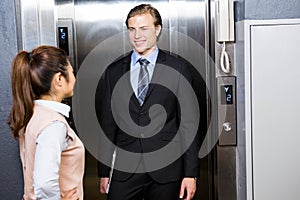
(58, 79)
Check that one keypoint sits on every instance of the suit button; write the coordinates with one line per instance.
(142, 135)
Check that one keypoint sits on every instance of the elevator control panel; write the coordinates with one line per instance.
(65, 38)
(227, 110)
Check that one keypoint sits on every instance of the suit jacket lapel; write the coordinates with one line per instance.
(157, 72)
(125, 69)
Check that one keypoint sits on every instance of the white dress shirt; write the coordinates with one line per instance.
(49, 145)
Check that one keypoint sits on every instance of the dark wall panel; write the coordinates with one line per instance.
(272, 9)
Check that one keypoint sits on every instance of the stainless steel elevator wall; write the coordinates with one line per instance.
(96, 21)
(183, 22)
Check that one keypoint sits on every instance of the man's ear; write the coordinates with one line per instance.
(157, 30)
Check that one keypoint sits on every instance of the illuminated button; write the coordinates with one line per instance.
(227, 126)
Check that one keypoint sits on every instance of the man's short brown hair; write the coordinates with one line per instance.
(143, 9)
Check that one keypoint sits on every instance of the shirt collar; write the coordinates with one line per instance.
(151, 58)
(54, 105)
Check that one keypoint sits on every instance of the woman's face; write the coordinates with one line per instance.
(69, 85)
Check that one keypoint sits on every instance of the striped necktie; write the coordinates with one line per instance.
(143, 81)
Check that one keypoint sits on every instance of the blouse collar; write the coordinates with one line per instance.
(54, 105)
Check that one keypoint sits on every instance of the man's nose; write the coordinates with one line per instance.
(138, 33)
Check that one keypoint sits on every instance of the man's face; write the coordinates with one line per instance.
(143, 34)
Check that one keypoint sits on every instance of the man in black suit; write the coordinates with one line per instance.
(163, 142)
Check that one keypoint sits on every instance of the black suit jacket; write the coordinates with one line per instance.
(140, 142)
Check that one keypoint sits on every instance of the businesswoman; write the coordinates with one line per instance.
(52, 155)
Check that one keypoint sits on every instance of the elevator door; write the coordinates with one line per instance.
(95, 23)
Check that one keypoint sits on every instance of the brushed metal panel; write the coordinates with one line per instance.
(99, 20)
(37, 23)
(226, 173)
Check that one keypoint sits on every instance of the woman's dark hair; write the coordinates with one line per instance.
(31, 77)
(143, 9)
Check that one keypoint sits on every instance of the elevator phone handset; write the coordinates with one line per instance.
(225, 29)
(225, 20)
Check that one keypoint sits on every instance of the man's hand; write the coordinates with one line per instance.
(188, 185)
(103, 185)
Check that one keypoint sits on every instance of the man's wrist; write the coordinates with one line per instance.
(194, 177)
